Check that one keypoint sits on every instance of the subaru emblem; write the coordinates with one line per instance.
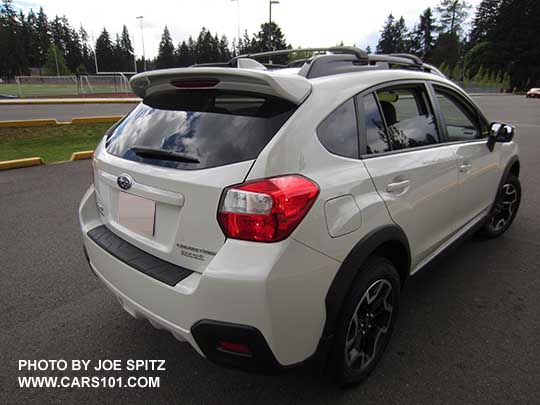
(124, 182)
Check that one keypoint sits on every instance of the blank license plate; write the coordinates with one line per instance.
(137, 213)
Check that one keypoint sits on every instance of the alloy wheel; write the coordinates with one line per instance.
(369, 325)
(504, 209)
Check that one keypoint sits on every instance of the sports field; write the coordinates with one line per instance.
(54, 90)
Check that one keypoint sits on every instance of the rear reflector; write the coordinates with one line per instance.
(195, 84)
(234, 347)
(266, 210)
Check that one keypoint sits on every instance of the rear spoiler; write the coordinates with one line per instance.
(293, 88)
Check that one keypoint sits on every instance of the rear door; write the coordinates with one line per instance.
(160, 172)
(478, 168)
(414, 171)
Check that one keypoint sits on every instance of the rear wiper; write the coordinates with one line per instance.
(161, 154)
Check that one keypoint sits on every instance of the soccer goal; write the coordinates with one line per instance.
(46, 86)
(104, 84)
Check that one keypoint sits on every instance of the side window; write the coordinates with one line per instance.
(460, 126)
(376, 139)
(339, 133)
(409, 118)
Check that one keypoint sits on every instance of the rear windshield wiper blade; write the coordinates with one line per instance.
(162, 154)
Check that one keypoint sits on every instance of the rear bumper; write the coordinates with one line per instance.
(270, 295)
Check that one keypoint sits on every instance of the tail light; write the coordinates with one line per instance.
(266, 210)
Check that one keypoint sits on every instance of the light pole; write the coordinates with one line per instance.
(238, 16)
(270, 2)
(140, 18)
(55, 59)
(95, 54)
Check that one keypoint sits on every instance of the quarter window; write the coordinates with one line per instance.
(339, 133)
(409, 120)
(457, 118)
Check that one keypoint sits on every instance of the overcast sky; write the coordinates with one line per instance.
(305, 23)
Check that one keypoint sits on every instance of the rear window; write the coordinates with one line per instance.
(214, 127)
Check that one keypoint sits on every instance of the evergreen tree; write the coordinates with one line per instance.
(456, 74)
(87, 54)
(507, 82)
(401, 36)
(43, 37)
(105, 52)
(387, 40)
(165, 58)
(126, 51)
(394, 37)
(13, 61)
(368, 50)
(447, 49)
(31, 48)
(270, 38)
(426, 33)
(479, 77)
(484, 22)
(452, 15)
(184, 56)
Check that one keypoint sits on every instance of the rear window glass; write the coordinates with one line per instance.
(213, 127)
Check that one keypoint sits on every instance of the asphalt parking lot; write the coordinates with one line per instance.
(468, 332)
(61, 112)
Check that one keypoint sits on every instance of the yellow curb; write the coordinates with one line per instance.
(90, 120)
(27, 123)
(87, 154)
(13, 164)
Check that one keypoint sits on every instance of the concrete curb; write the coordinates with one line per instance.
(127, 100)
(87, 154)
(14, 164)
(43, 122)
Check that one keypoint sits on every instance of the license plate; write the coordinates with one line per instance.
(137, 213)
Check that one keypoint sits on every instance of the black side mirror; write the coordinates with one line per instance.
(499, 132)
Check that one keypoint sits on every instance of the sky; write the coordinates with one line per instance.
(305, 23)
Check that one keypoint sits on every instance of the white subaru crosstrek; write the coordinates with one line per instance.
(270, 216)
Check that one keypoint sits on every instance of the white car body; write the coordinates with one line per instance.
(281, 289)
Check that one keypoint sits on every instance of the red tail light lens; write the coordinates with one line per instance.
(195, 84)
(266, 210)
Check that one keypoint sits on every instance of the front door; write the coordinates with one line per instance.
(478, 168)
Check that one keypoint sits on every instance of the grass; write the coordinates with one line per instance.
(43, 90)
(53, 143)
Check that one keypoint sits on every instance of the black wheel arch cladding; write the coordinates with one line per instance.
(389, 235)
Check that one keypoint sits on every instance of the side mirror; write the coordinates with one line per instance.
(499, 132)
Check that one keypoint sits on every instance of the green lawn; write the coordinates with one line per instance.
(53, 143)
(44, 90)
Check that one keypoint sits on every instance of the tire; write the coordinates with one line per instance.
(362, 308)
(504, 209)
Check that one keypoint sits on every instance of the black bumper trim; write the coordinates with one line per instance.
(152, 266)
(208, 332)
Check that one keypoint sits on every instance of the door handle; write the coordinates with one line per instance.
(398, 187)
(465, 167)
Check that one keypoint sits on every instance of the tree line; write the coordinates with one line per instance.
(207, 47)
(502, 46)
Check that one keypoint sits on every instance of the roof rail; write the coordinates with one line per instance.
(360, 54)
(336, 61)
